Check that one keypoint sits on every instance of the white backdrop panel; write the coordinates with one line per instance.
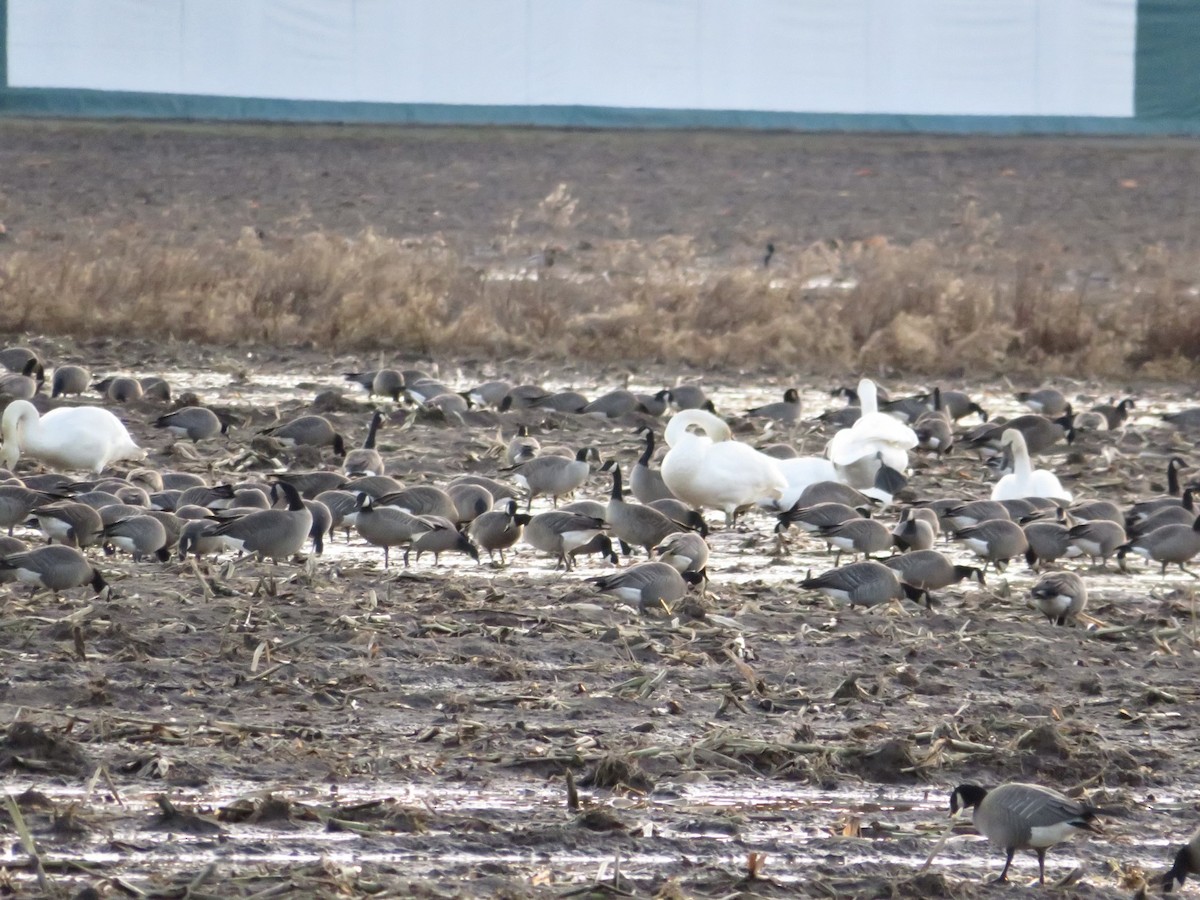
(934, 57)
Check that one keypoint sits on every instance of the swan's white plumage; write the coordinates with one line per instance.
(875, 438)
(74, 438)
(800, 473)
(1024, 480)
(712, 470)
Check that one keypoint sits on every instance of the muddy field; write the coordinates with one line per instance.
(324, 728)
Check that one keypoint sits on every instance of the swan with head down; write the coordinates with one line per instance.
(1024, 480)
(876, 439)
(713, 470)
(73, 438)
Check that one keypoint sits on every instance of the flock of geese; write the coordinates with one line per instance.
(68, 491)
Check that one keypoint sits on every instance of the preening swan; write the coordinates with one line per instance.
(74, 438)
(1024, 480)
(875, 439)
(713, 470)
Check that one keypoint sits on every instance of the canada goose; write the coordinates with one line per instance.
(343, 509)
(523, 396)
(785, 411)
(1113, 414)
(678, 511)
(1040, 433)
(420, 500)
(1017, 816)
(490, 393)
(995, 540)
(813, 518)
(1166, 545)
(218, 495)
(470, 501)
(1187, 862)
(365, 380)
(645, 483)
(97, 499)
(171, 523)
(155, 388)
(118, 511)
(648, 585)
(312, 431)
(554, 475)
(1098, 539)
(387, 526)
(497, 530)
(689, 396)
(80, 437)
(25, 385)
(9, 546)
(275, 533)
(866, 583)
(714, 470)
(55, 568)
(15, 359)
(423, 390)
(442, 537)
(309, 484)
(366, 459)
(140, 536)
(1183, 514)
(930, 570)
(959, 405)
(634, 524)
(1025, 481)
(913, 533)
(935, 433)
(450, 405)
(655, 404)
(563, 402)
(180, 480)
(1047, 542)
(852, 397)
(1093, 510)
(1028, 509)
(197, 537)
(522, 448)
(387, 383)
(120, 388)
(197, 423)
(70, 523)
(1185, 418)
(1142, 508)
(875, 440)
(16, 503)
(1060, 596)
(322, 524)
(964, 515)
(562, 533)
(908, 409)
(856, 536)
(833, 492)
(497, 489)
(1047, 402)
(375, 485)
(687, 551)
(593, 508)
(613, 405)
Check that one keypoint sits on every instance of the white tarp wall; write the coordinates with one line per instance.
(915, 57)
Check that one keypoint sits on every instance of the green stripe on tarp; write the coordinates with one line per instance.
(1167, 70)
(78, 103)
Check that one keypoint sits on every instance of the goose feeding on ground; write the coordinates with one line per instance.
(713, 470)
(875, 439)
(81, 437)
(1024, 480)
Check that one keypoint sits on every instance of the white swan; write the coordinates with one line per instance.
(875, 439)
(800, 472)
(1024, 480)
(74, 438)
(713, 470)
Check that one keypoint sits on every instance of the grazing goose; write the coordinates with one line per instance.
(470, 502)
(930, 570)
(913, 532)
(867, 583)
(934, 433)
(70, 523)
(443, 537)
(1018, 816)
(855, 536)
(365, 380)
(634, 524)
(1187, 862)
(196, 537)
(522, 448)
(196, 423)
(497, 530)
(275, 533)
(964, 515)
(613, 405)
(645, 483)
(322, 524)
(1169, 544)
(25, 385)
(15, 359)
(1024, 480)
(490, 393)
(875, 440)
(685, 550)
(80, 437)
(1092, 510)
(497, 489)
(9, 546)
(1047, 402)
(996, 541)
(959, 405)
(678, 511)
(554, 475)
(387, 383)
(55, 568)
(1047, 541)
(423, 390)
(1143, 508)
(713, 470)
(1098, 539)
(833, 492)
(311, 431)
(16, 503)
(387, 526)
(70, 380)
(155, 388)
(655, 404)
(1060, 596)
(563, 402)
(375, 485)
(366, 459)
(1040, 433)
(120, 388)
(523, 396)
(689, 396)
(1186, 418)
(342, 507)
(561, 534)
(785, 412)
(648, 585)
(140, 536)
(421, 500)
(1183, 514)
(309, 484)
(816, 517)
